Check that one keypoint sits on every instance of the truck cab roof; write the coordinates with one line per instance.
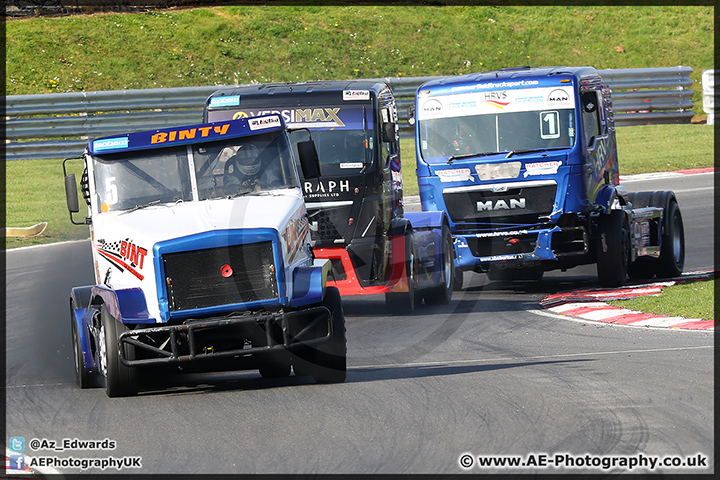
(287, 93)
(151, 139)
(583, 74)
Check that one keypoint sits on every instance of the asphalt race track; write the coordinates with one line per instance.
(491, 375)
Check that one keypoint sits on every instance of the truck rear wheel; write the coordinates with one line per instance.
(330, 358)
(442, 294)
(613, 249)
(672, 251)
(404, 302)
(120, 380)
(83, 376)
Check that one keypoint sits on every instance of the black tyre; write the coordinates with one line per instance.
(83, 376)
(330, 358)
(404, 302)
(613, 249)
(672, 251)
(442, 294)
(120, 380)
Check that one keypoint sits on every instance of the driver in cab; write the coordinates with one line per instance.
(246, 172)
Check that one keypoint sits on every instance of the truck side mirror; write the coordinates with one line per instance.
(411, 115)
(71, 194)
(71, 197)
(309, 161)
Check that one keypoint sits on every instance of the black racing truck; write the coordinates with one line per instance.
(355, 207)
(525, 163)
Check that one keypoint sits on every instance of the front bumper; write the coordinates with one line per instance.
(520, 246)
(234, 336)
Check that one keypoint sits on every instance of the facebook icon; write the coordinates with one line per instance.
(16, 462)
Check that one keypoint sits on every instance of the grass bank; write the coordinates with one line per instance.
(248, 44)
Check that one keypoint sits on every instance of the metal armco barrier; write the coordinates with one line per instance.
(59, 125)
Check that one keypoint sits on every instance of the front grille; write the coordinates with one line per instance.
(516, 205)
(220, 276)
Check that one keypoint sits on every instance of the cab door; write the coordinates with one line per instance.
(599, 144)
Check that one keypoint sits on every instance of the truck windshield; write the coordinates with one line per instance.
(339, 151)
(134, 179)
(499, 121)
(247, 165)
(343, 134)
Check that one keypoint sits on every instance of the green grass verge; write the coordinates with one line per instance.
(689, 300)
(35, 192)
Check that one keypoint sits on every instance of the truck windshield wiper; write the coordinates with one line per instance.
(138, 207)
(531, 150)
(251, 192)
(468, 155)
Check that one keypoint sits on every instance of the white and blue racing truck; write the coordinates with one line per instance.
(202, 258)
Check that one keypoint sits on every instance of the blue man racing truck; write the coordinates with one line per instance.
(202, 258)
(355, 208)
(525, 163)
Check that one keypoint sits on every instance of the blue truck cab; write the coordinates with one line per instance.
(525, 163)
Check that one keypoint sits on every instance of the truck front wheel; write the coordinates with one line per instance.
(120, 380)
(613, 250)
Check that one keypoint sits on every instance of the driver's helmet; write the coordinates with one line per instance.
(247, 159)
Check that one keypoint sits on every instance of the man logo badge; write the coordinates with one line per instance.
(510, 204)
